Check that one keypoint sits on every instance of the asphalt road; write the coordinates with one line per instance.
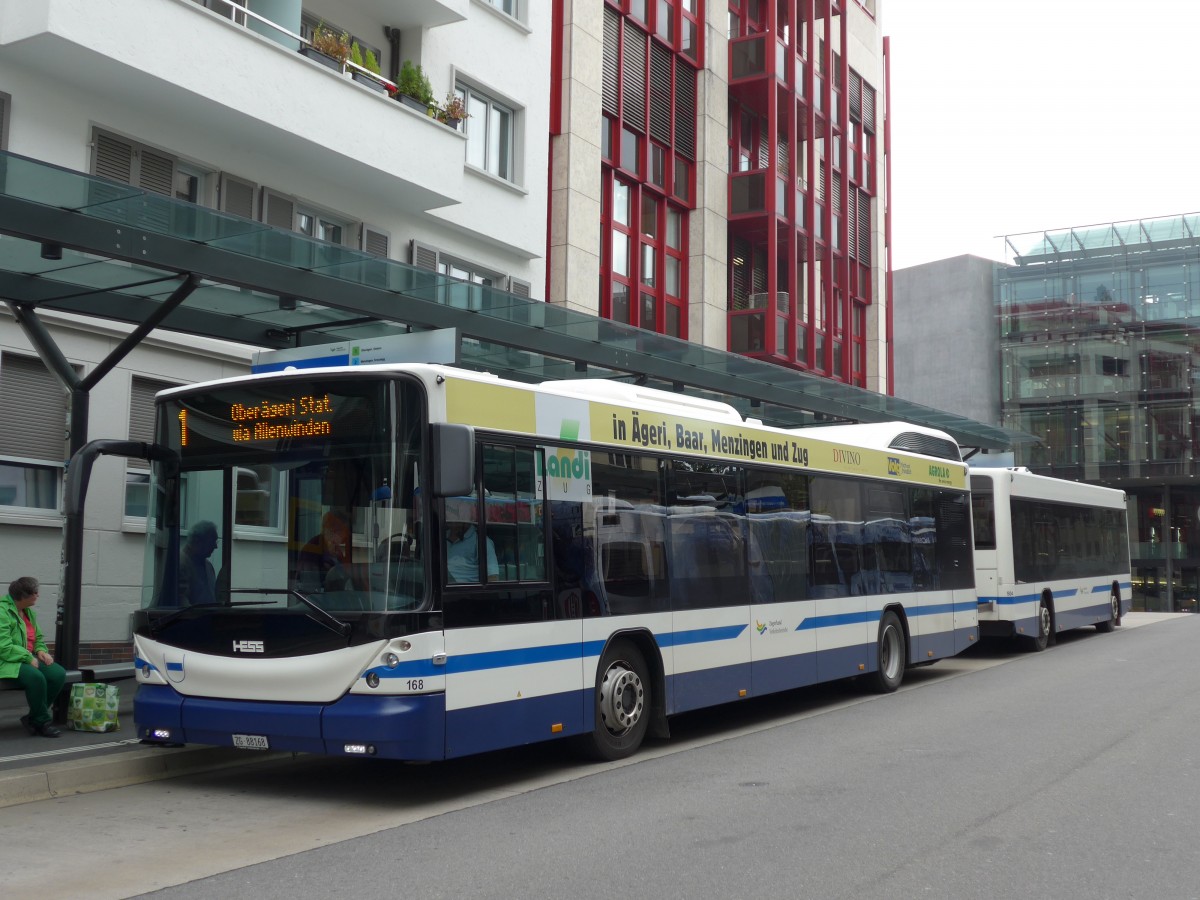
(1062, 774)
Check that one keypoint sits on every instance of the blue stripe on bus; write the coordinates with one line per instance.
(1058, 595)
(528, 656)
(936, 609)
(700, 635)
(854, 618)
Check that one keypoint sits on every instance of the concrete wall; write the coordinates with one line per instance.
(947, 339)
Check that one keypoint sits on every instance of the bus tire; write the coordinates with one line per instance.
(891, 654)
(1114, 614)
(1045, 626)
(622, 703)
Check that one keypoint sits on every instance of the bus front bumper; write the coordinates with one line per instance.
(388, 727)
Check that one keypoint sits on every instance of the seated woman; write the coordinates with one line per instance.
(326, 558)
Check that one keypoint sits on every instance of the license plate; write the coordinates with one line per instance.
(251, 742)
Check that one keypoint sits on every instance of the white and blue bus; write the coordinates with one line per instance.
(419, 562)
(1050, 555)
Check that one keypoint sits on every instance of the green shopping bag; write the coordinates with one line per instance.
(94, 707)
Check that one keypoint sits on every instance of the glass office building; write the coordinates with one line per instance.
(1100, 358)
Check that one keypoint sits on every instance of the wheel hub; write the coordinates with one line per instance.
(622, 698)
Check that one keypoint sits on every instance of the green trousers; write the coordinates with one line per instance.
(42, 686)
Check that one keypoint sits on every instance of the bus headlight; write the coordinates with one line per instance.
(391, 660)
(372, 680)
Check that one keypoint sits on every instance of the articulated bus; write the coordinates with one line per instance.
(1050, 555)
(418, 562)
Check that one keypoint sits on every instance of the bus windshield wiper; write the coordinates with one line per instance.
(322, 617)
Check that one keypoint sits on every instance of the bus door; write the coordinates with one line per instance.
(845, 630)
(514, 673)
(983, 521)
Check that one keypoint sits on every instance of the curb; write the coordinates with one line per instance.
(81, 776)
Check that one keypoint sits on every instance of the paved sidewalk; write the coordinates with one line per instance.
(38, 768)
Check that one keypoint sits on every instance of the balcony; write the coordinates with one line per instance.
(244, 79)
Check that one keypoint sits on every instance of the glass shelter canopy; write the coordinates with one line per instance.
(75, 243)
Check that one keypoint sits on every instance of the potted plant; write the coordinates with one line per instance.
(412, 87)
(328, 48)
(453, 110)
(365, 61)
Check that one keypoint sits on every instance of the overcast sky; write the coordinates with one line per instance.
(1011, 116)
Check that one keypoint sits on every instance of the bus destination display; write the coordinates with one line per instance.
(268, 420)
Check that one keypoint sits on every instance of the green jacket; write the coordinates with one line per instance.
(13, 637)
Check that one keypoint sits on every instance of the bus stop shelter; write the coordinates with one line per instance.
(75, 243)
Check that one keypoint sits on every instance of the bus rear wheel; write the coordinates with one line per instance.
(1114, 615)
(622, 703)
(892, 654)
(1045, 624)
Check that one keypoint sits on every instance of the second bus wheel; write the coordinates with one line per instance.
(622, 703)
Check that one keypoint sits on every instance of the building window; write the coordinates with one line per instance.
(644, 247)
(508, 7)
(32, 447)
(491, 137)
(471, 280)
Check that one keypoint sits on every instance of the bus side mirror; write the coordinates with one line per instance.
(453, 460)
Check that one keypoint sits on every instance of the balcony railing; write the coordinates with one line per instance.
(239, 16)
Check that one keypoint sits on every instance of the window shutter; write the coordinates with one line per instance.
(685, 109)
(868, 108)
(660, 92)
(520, 288)
(278, 210)
(156, 172)
(113, 158)
(26, 384)
(633, 77)
(864, 227)
(237, 196)
(855, 96)
(424, 256)
(852, 225)
(141, 412)
(609, 97)
(373, 240)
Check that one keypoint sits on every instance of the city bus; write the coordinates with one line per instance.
(1050, 555)
(419, 562)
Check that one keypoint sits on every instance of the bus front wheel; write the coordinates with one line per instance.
(622, 703)
(892, 654)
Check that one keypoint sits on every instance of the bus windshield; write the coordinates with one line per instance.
(299, 493)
